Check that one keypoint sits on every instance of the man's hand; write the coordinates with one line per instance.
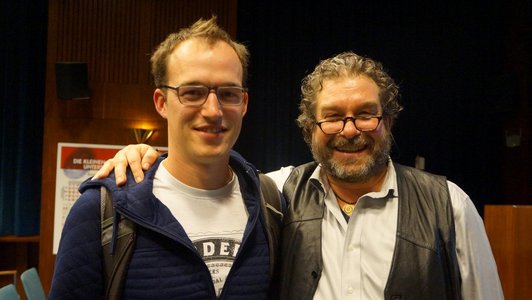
(135, 156)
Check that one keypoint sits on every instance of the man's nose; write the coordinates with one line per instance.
(350, 130)
(212, 106)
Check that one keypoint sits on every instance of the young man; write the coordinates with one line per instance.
(360, 226)
(199, 229)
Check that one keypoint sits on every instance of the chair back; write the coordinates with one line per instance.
(32, 285)
(9, 292)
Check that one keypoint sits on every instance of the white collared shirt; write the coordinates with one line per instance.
(357, 255)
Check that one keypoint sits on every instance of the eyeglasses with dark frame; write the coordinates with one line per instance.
(196, 95)
(362, 123)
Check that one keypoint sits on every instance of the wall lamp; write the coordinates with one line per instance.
(142, 135)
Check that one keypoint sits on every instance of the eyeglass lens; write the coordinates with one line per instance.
(197, 95)
(362, 124)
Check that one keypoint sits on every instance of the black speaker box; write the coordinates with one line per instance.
(72, 80)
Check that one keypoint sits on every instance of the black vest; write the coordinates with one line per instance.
(424, 264)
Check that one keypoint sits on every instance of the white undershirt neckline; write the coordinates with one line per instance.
(214, 220)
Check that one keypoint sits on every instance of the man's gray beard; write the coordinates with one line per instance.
(378, 160)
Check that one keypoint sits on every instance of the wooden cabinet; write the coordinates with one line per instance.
(509, 229)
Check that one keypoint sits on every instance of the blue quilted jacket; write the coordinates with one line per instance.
(165, 264)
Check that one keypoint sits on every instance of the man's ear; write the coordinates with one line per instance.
(159, 99)
(245, 104)
(388, 122)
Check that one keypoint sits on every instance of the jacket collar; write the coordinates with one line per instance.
(137, 202)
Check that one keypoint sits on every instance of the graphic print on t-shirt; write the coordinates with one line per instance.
(218, 254)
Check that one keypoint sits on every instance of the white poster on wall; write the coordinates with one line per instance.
(75, 163)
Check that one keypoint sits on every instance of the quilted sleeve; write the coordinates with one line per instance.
(78, 265)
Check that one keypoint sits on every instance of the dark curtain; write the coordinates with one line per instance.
(447, 58)
(23, 52)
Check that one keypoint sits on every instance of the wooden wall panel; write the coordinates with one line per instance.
(105, 36)
(509, 229)
(115, 39)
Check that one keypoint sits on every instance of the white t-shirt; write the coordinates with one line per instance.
(214, 220)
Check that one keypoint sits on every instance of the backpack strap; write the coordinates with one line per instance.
(118, 238)
(273, 208)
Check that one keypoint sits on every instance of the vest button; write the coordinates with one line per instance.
(314, 274)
